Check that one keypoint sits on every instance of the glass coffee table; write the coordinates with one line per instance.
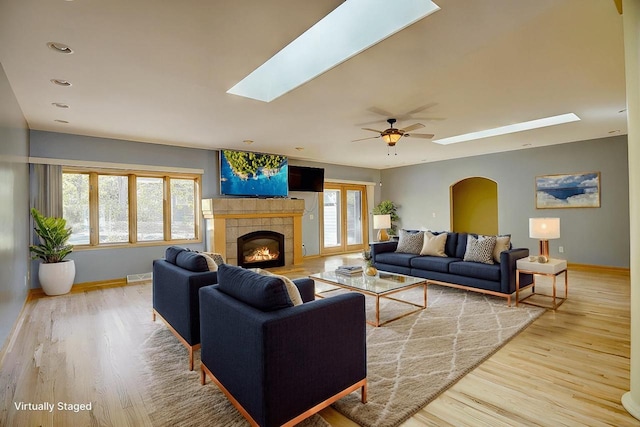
(382, 285)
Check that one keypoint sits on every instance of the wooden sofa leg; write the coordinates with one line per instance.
(203, 376)
(191, 358)
(153, 315)
(363, 393)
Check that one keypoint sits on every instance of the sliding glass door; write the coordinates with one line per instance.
(344, 227)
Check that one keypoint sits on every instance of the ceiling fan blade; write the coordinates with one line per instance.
(413, 127)
(372, 130)
(420, 109)
(380, 111)
(364, 139)
(420, 135)
(430, 119)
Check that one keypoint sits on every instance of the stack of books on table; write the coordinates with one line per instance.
(349, 270)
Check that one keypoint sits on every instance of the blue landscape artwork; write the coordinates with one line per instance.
(244, 173)
(580, 190)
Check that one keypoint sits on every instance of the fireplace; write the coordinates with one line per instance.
(261, 249)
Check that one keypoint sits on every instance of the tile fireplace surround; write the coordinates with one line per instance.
(236, 217)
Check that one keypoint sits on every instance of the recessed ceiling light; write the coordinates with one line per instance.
(60, 47)
(526, 145)
(624, 110)
(61, 121)
(614, 131)
(351, 28)
(503, 130)
(60, 82)
(60, 105)
(248, 141)
(299, 148)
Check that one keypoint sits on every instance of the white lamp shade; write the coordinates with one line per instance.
(544, 228)
(381, 222)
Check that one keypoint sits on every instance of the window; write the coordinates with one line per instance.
(105, 208)
(113, 208)
(150, 196)
(182, 204)
(75, 209)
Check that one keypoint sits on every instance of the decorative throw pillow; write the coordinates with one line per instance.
(503, 243)
(217, 258)
(434, 244)
(210, 262)
(480, 249)
(410, 243)
(292, 289)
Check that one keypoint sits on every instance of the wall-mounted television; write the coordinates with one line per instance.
(302, 178)
(244, 173)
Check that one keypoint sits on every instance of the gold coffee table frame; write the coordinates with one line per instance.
(380, 286)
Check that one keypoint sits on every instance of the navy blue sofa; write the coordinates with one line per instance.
(176, 281)
(494, 279)
(279, 363)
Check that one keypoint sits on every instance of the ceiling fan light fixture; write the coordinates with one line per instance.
(391, 138)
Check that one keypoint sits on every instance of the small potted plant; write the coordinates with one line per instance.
(56, 274)
(369, 270)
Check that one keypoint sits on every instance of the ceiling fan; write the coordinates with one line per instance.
(392, 135)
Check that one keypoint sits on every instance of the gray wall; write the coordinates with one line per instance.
(310, 220)
(105, 264)
(14, 208)
(595, 236)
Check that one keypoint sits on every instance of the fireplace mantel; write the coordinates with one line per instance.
(233, 217)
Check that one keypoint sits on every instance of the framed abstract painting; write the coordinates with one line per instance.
(577, 190)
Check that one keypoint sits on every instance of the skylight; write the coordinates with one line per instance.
(503, 130)
(351, 28)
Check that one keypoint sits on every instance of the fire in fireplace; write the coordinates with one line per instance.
(261, 249)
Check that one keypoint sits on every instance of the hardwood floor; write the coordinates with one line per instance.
(569, 368)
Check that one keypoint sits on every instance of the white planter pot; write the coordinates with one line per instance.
(57, 278)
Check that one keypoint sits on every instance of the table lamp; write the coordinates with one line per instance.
(544, 229)
(381, 223)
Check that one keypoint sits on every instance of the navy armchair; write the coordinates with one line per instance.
(176, 282)
(279, 363)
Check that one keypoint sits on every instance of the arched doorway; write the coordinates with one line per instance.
(474, 206)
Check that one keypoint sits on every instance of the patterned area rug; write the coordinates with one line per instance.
(412, 360)
(175, 395)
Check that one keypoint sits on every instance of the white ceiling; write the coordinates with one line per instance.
(158, 71)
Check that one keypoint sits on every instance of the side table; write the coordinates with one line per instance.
(553, 268)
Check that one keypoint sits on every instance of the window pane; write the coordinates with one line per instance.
(332, 218)
(183, 225)
(75, 206)
(113, 208)
(354, 217)
(150, 214)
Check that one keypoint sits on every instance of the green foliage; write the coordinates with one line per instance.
(248, 164)
(53, 234)
(387, 207)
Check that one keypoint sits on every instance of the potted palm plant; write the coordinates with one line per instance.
(387, 207)
(56, 274)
